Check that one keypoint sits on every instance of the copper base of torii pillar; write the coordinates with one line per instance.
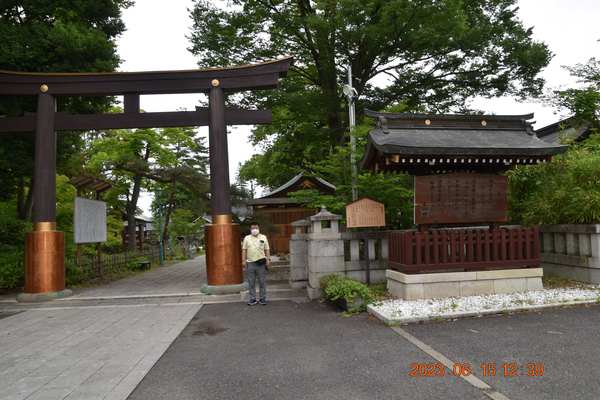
(223, 251)
(44, 264)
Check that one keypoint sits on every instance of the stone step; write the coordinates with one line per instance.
(278, 273)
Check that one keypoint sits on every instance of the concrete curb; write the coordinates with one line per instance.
(224, 289)
(134, 296)
(41, 297)
(409, 320)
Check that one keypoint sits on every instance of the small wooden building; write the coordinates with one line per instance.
(278, 210)
(458, 163)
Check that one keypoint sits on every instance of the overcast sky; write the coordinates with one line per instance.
(156, 40)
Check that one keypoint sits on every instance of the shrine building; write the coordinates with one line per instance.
(279, 210)
(460, 201)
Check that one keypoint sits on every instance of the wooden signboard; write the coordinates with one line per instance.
(460, 198)
(365, 213)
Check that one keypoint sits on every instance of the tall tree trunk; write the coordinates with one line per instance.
(21, 198)
(131, 207)
(29, 202)
(24, 202)
(170, 206)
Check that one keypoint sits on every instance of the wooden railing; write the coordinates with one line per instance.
(464, 249)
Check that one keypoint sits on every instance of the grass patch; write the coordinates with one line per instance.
(557, 282)
(379, 291)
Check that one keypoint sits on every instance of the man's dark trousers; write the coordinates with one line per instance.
(254, 270)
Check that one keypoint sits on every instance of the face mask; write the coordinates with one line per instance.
(254, 231)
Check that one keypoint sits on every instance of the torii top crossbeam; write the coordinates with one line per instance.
(133, 84)
(263, 75)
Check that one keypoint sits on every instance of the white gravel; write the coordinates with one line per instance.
(403, 311)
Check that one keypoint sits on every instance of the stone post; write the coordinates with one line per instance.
(298, 254)
(594, 261)
(325, 250)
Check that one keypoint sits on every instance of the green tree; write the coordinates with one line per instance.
(52, 36)
(435, 54)
(144, 158)
(583, 102)
(395, 191)
(184, 183)
(567, 189)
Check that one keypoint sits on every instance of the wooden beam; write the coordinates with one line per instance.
(71, 122)
(248, 77)
(131, 103)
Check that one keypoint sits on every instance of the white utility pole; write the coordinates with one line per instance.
(350, 93)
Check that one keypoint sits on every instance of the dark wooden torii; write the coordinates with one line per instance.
(44, 256)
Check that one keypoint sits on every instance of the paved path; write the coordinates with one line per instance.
(84, 353)
(182, 278)
(104, 343)
(99, 343)
(308, 351)
(565, 341)
(291, 351)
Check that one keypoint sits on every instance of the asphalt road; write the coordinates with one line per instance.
(565, 341)
(309, 351)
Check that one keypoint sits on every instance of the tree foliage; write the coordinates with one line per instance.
(584, 101)
(567, 189)
(169, 161)
(52, 36)
(435, 55)
(563, 191)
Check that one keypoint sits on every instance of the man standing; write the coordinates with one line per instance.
(255, 253)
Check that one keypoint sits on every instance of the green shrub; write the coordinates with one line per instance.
(74, 274)
(338, 287)
(563, 191)
(12, 229)
(12, 271)
(134, 263)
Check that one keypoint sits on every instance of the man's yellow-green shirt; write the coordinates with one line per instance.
(255, 247)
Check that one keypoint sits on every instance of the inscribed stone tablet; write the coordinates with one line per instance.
(90, 221)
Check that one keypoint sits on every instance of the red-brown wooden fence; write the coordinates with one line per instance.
(466, 249)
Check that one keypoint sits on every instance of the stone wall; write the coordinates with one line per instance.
(318, 248)
(298, 254)
(571, 251)
(456, 284)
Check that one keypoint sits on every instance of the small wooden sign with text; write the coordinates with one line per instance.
(365, 213)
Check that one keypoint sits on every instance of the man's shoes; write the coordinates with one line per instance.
(252, 302)
(263, 302)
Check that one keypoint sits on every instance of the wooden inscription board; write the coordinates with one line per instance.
(460, 198)
(364, 213)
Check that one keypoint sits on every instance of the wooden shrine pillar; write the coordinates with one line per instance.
(44, 246)
(223, 241)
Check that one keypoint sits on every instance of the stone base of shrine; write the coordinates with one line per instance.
(458, 284)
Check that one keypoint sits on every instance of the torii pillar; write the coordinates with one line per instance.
(44, 246)
(222, 237)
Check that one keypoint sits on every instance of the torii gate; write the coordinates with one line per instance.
(44, 255)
